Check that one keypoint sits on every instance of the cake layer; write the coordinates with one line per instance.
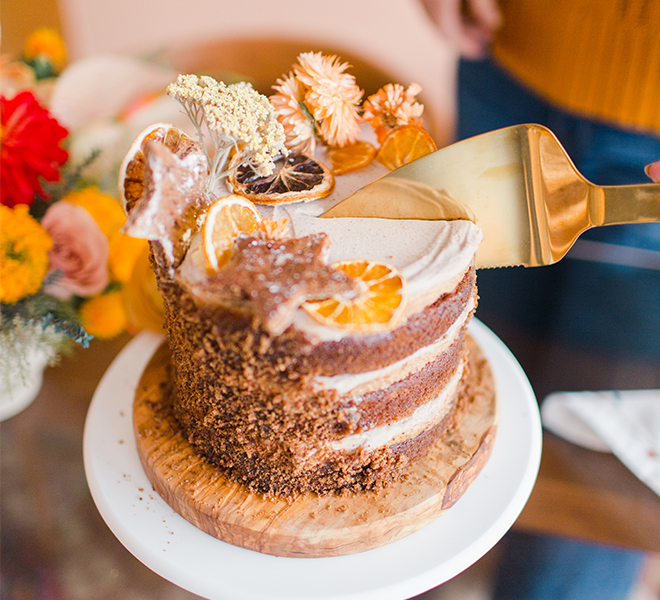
(359, 384)
(349, 464)
(254, 405)
(401, 428)
(402, 398)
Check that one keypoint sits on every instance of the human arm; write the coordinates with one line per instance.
(468, 24)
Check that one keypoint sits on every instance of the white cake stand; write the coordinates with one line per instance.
(199, 563)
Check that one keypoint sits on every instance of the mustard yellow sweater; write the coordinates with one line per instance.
(600, 58)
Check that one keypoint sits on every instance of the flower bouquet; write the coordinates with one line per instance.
(65, 268)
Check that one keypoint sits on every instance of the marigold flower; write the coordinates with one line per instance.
(124, 252)
(105, 209)
(298, 124)
(29, 149)
(24, 246)
(332, 97)
(47, 45)
(104, 316)
(391, 106)
(142, 300)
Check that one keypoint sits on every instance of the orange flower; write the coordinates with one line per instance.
(104, 316)
(105, 209)
(124, 252)
(142, 300)
(391, 106)
(45, 44)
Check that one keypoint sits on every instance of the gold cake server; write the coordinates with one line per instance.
(517, 183)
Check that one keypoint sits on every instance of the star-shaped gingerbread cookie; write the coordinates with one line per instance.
(276, 277)
(174, 197)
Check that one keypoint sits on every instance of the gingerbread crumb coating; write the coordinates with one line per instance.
(245, 397)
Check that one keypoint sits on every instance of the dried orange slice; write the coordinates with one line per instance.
(225, 220)
(378, 306)
(300, 178)
(131, 172)
(404, 144)
(350, 158)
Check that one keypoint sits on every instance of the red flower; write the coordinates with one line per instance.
(30, 149)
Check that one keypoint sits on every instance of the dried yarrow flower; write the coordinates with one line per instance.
(234, 116)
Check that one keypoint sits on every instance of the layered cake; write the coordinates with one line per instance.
(309, 354)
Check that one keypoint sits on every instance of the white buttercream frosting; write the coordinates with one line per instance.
(425, 417)
(358, 384)
(432, 256)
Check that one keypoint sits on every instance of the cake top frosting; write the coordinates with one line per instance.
(276, 271)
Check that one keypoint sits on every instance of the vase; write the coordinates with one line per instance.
(19, 388)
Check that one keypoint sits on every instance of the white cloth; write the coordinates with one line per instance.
(626, 423)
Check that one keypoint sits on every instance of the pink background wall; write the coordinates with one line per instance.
(394, 35)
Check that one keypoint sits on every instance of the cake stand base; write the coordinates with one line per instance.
(312, 525)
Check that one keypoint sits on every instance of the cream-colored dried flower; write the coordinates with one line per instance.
(391, 106)
(332, 97)
(294, 116)
(242, 117)
(236, 116)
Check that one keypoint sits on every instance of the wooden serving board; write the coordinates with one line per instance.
(311, 525)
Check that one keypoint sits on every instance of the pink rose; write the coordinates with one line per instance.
(80, 251)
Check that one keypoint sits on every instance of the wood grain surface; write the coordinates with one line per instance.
(311, 525)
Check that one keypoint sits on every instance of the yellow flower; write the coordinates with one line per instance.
(105, 209)
(46, 42)
(24, 246)
(142, 300)
(103, 316)
(124, 251)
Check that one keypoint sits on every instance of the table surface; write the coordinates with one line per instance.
(54, 539)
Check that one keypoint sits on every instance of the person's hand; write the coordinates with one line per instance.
(468, 24)
(653, 171)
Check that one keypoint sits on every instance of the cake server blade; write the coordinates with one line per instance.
(517, 184)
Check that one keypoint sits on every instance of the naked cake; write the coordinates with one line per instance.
(309, 354)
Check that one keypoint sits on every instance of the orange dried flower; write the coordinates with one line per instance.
(326, 96)
(391, 106)
(269, 229)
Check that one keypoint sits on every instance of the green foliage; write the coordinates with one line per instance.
(50, 314)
